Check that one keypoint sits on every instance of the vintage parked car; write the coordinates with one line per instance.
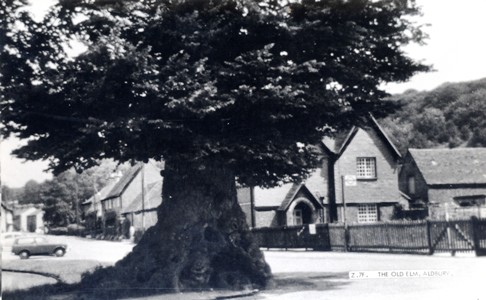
(27, 246)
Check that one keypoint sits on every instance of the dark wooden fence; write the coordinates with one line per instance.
(293, 237)
(425, 237)
(392, 237)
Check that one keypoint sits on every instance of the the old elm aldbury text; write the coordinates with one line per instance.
(398, 274)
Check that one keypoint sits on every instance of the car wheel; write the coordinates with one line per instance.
(24, 254)
(59, 252)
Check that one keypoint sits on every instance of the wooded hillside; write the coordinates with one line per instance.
(452, 115)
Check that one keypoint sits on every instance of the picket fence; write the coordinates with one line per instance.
(424, 237)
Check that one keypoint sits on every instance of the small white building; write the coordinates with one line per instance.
(29, 219)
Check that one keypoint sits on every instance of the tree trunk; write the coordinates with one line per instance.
(201, 239)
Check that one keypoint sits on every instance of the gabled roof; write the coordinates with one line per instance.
(296, 188)
(122, 184)
(272, 196)
(153, 198)
(385, 137)
(279, 198)
(151, 174)
(451, 166)
(330, 144)
(290, 196)
(102, 194)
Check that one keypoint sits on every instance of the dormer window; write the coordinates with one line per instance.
(366, 168)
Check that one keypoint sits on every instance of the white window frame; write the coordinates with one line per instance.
(367, 213)
(366, 168)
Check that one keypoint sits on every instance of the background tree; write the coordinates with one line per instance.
(62, 196)
(9, 194)
(219, 90)
(58, 206)
(452, 115)
(30, 193)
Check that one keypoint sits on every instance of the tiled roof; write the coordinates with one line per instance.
(338, 147)
(290, 196)
(279, 197)
(102, 193)
(120, 186)
(272, 196)
(153, 198)
(292, 193)
(451, 166)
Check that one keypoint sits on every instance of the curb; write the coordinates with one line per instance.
(56, 277)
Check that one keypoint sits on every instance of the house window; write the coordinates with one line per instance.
(366, 168)
(470, 206)
(367, 213)
(468, 201)
(298, 217)
(411, 185)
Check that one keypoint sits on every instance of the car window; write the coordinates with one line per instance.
(40, 240)
(25, 241)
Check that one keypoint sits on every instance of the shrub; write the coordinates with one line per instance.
(77, 230)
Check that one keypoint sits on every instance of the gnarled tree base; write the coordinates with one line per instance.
(201, 240)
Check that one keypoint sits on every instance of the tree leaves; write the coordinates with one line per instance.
(451, 115)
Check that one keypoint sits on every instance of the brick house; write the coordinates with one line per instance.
(365, 153)
(370, 161)
(450, 183)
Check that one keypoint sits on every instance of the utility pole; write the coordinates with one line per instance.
(143, 196)
(344, 215)
(252, 206)
(346, 180)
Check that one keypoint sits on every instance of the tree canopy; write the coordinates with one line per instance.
(242, 81)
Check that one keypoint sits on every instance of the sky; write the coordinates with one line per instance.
(456, 49)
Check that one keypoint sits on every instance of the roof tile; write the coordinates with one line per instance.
(451, 166)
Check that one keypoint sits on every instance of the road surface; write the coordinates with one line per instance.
(307, 275)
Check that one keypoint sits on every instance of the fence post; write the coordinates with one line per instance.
(476, 243)
(346, 238)
(387, 230)
(328, 231)
(429, 237)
